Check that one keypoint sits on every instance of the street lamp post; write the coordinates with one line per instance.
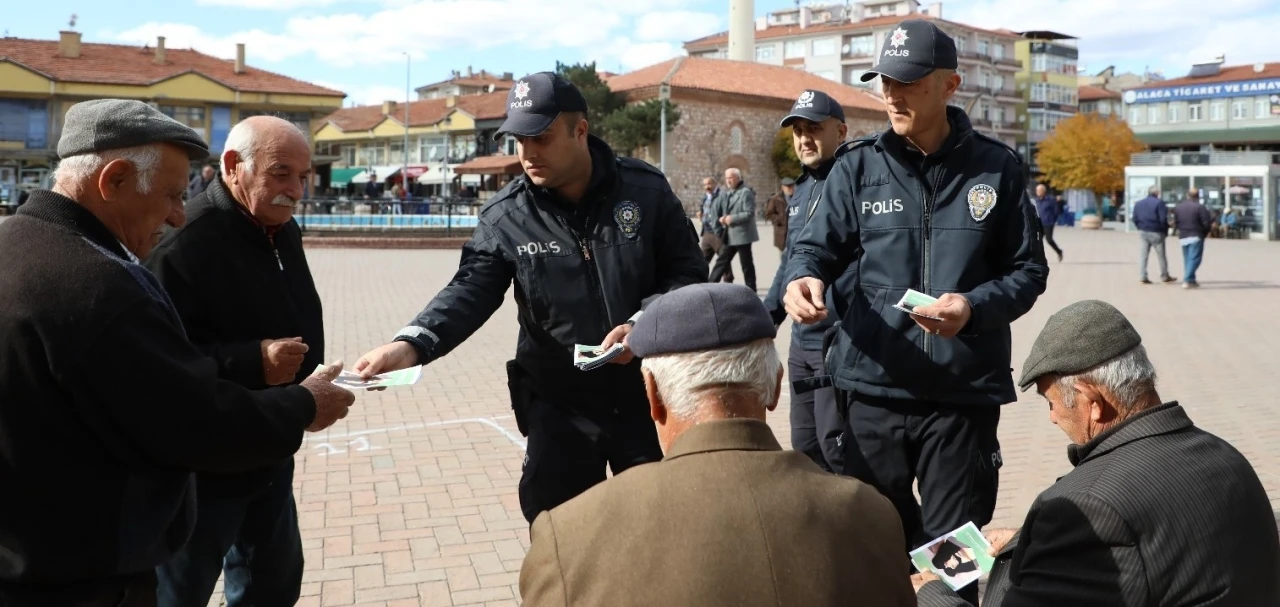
(664, 93)
(404, 171)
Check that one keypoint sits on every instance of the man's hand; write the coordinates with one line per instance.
(332, 402)
(394, 356)
(726, 220)
(918, 580)
(281, 359)
(998, 538)
(952, 308)
(619, 334)
(804, 300)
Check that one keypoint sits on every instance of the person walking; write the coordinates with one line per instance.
(1048, 207)
(775, 212)
(737, 212)
(712, 232)
(1195, 223)
(1151, 217)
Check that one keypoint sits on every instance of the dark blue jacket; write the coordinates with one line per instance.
(958, 221)
(1048, 209)
(1192, 219)
(1151, 215)
(800, 205)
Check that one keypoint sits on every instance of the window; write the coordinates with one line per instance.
(1135, 116)
(862, 46)
(982, 79)
(793, 49)
(997, 51)
(765, 53)
(1040, 91)
(1217, 111)
(397, 152)
(1262, 108)
(1193, 112)
(828, 74)
(25, 121)
(509, 146)
(302, 120)
(371, 154)
(735, 140)
(825, 46)
(1173, 113)
(997, 83)
(982, 47)
(1039, 62)
(855, 78)
(1153, 115)
(349, 155)
(959, 45)
(1239, 110)
(431, 148)
(188, 115)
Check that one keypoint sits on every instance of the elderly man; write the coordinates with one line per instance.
(105, 407)
(239, 279)
(736, 210)
(712, 232)
(200, 182)
(1156, 511)
(728, 518)
(1151, 217)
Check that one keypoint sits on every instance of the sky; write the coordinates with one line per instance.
(361, 47)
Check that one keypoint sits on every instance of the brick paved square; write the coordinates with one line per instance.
(411, 500)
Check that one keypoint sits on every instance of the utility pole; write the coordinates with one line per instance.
(664, 94)
(404, 170)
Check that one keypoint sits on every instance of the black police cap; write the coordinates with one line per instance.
(814, 106)
(536, 101)
(912, 51)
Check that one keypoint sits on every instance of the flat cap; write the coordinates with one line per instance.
(1077, 338)
(788, 181)
(701, 317)
(113, 124)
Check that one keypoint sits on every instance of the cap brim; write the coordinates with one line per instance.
(194, 152)
(801, 115)
(525, 125)
(898, 70)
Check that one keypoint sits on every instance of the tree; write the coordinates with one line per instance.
(640, 124)
(601, 101)
(785, 161)
(1088, 152)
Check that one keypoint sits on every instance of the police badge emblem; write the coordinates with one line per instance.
(982, 198)
(627, 214)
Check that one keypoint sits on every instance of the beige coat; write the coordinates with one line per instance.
(727, 519)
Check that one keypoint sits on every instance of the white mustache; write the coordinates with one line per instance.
(284, 200)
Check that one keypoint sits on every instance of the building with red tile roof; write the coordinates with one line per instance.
(467, 83)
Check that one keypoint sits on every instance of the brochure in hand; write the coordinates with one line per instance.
(959, 557)
(592, 357)
(912, 299)
(403, 377)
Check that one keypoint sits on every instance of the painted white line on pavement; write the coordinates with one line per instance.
(492, 422)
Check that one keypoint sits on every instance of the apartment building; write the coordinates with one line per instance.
(467, 83)
(41, 79)
(1214, 107)
(1049, 87)
(839, 42)
(1097, 100)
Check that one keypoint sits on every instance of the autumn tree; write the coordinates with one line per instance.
(1088, 152)
(783, 154)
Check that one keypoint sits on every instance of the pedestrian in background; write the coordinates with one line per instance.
(736, 210)
(1049, 208)
(712, 239)
(1151, 217)
(775, 212)
(1195, 223)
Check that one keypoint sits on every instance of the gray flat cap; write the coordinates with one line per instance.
(1077, 338)
(112, 124)
(701, 317)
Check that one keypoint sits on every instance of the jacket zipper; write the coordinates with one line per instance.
(593, 277)
(926, 261)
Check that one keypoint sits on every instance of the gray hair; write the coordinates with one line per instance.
(734, 171)
(243, 140)
(144, 158)
(1153, 190)
(684, 378)
(1130, 377)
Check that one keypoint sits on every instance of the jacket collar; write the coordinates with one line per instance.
(220, 197)
(604, 174)
(1164, 419)
(47, 205)
(961, 130)
(724, 435)
(819, 173)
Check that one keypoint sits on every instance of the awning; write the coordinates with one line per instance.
(491, 165)
(381, 172)
(1266, 134)
(435, 175)
(339, 178)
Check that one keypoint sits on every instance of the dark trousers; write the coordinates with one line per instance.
(711, 244)
(817, 428)
(253, 539)
(1046, 234)
(567, 452)
(126, 591)
(951, 451)
(726, 257)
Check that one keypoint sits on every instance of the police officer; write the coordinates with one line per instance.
(817, 132)
(934, 206)
(589, 239)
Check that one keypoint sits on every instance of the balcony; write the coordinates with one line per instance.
(968, 87)
(980, 123)
(1009, 61)
(969, 55)
(1204, 158)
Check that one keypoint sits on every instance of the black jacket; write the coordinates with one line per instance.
(1156, 512)
(804, 200)
(232, 291)
(105, 410)
(958, 221)
(579, 272)
(1192, 219)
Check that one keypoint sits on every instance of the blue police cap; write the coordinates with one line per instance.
(535, 101)
(814, 106)
(701, 317)
(912, 51)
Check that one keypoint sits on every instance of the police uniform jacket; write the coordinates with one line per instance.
(803, 201)
(740, 205)
(957, 221)
(579, 271)
(727, 519)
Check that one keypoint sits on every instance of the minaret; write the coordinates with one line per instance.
(742, 30)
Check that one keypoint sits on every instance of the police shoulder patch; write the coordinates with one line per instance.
(627, 215)
(981, 198)
(854, 144)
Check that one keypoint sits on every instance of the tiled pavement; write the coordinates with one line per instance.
(412, 499)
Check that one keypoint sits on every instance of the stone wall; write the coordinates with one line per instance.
(702, 143)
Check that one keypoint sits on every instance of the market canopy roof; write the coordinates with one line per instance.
(500, 164)
(381, 173)
(339, 178)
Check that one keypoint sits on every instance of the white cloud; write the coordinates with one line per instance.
(676, 25)
(277, 5)
(1164, 34)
